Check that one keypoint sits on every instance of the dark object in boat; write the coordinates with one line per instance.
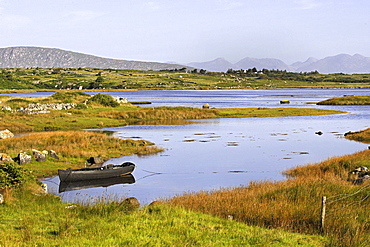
(108, 171)
(92, 183)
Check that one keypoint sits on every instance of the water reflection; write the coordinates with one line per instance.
(92, 183)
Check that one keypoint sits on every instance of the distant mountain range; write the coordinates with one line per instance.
(341, 63)
(32, 57)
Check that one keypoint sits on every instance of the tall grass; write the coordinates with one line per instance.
(74, 147)
(295, 204)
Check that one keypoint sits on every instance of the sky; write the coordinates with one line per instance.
(185, 31)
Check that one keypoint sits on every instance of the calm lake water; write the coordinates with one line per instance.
(219, 153)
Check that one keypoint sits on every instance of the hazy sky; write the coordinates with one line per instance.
(189, 30)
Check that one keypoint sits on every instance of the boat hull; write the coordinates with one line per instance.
(96, 173)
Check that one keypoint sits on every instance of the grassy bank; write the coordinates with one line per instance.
(73, 148)
(295, 204)
(102, 114)
(347, 100)
(103, 117)
(360, 136)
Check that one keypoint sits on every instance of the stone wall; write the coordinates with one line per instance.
(44, 108)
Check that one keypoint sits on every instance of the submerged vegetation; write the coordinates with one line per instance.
(118, 79)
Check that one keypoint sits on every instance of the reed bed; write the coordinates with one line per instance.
(74, 148)
(177, 113)
(161, 113)
(295, 204)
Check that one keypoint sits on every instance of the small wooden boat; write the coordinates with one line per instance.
(92, 183)
(108, 171)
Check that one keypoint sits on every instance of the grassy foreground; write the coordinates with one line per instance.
(53, 223)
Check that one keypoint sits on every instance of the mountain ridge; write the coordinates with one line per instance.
(29, 57)
(341, 63)
(32, 57)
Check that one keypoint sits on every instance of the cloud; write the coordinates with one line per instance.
(83, 15)
(307, 4)
(151, 5)
(229, 4)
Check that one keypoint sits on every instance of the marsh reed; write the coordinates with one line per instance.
(295, 204)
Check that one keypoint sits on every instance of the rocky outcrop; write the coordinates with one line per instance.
(40, 156)
(132, 202)
(5, 134)
(120, 100)
(24, 158)
(54, 155)
(359, 175)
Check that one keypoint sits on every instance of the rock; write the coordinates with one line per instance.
(362, 179)
(348, 133)
(5, 134)
(6, 108)
(284, 101)
(132, 201)
(5, 158)
(24, 158)
(40, 156)
(44, 188)
(54, 155)
(319, 133)
(120, 100)
(155, 203)
(359, 175)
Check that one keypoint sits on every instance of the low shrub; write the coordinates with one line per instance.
(70, 97)
(13, 175)
(104, 100)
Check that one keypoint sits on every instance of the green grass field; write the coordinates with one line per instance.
(114, 79)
